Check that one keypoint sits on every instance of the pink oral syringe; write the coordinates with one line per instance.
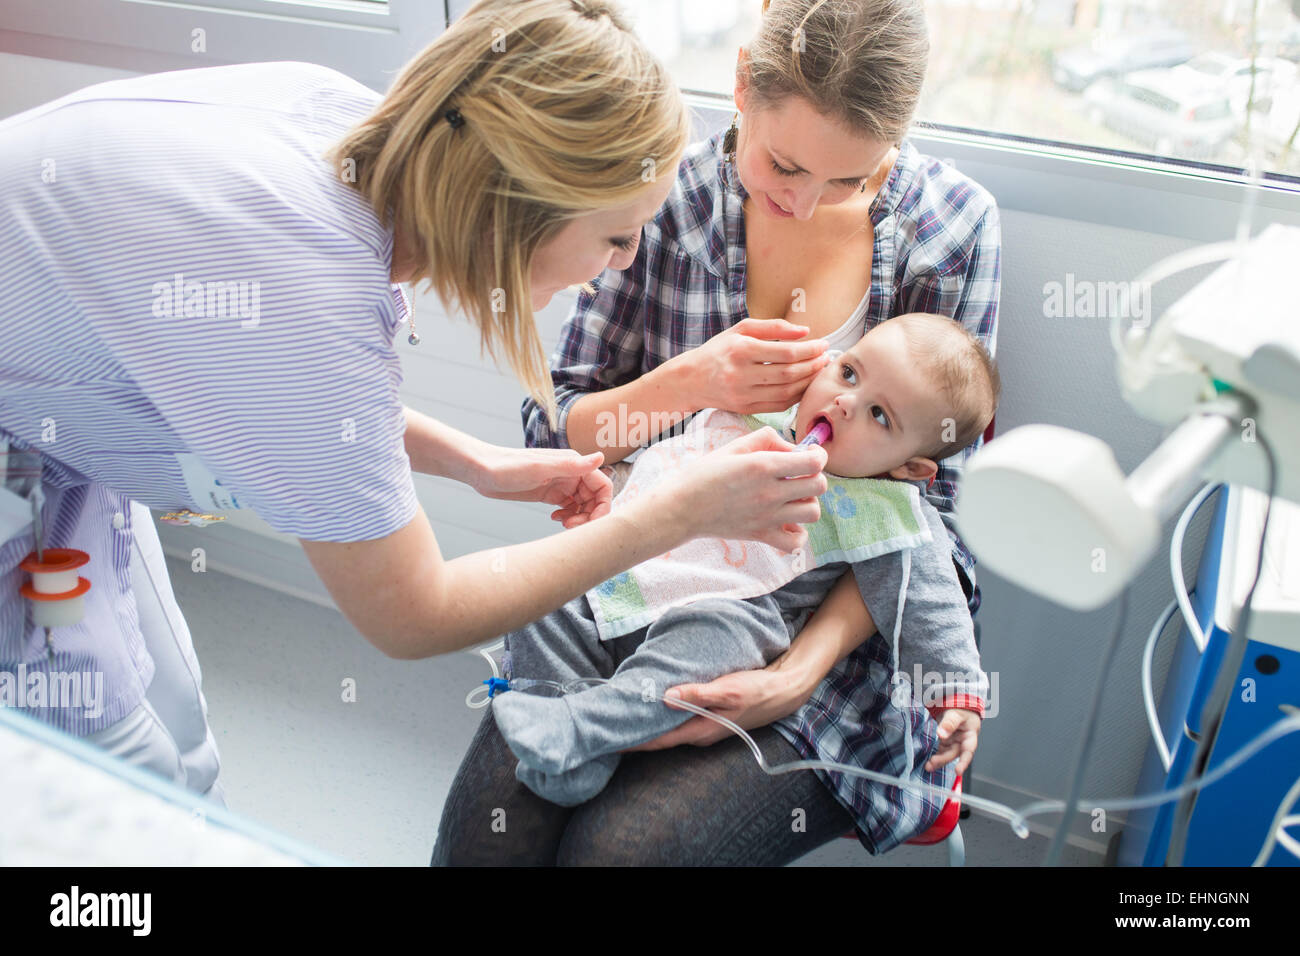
(817, 435)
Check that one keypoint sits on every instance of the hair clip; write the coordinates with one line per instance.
(454, 118)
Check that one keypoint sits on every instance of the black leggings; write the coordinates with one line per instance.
(688, 806)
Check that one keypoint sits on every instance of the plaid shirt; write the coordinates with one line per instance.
(936, 249)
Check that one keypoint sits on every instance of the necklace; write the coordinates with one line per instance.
(414, 337)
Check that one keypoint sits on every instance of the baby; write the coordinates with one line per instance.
(914, 390)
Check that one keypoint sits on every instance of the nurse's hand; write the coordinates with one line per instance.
(556, 476)
(758, 487)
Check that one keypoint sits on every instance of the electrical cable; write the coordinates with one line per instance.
(1016, 819)
(1216, 703)
(1176, 564)
(1182, 600)
(1148, 692)
(1276, 832)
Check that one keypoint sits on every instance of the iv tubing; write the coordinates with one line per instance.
(1015, 818)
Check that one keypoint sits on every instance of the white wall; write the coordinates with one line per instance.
(27, 81)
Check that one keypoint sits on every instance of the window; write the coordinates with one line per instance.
(1038, 69)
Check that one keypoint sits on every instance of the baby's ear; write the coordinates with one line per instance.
(916, 469)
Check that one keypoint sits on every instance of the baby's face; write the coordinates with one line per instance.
(882, 412)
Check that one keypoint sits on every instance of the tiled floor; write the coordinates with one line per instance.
(365, 779)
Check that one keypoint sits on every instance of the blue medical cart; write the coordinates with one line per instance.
(1231, 818)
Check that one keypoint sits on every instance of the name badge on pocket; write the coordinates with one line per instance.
(20, 478)
(204, 487)
(15, 514)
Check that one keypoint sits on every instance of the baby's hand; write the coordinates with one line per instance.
(959, 732)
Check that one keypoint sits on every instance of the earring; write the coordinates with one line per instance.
(729, 140)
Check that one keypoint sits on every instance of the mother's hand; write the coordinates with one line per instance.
(757, 365)
(756, 698)
(748, 698)
(553, 475)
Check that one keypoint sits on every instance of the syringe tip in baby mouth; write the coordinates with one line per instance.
(818, 434)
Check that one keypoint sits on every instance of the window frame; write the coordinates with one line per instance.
(366, 40)
(1035, 175)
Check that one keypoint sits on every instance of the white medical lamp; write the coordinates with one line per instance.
(1049, 508)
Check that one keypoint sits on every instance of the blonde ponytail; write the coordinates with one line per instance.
(524, 115)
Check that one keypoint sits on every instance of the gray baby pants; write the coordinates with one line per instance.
(568, 746)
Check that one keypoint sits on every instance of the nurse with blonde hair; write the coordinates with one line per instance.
(199, 312)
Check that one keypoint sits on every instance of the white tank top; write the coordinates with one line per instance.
(847, 334)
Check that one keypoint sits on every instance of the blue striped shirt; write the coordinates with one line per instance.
(197, 313)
